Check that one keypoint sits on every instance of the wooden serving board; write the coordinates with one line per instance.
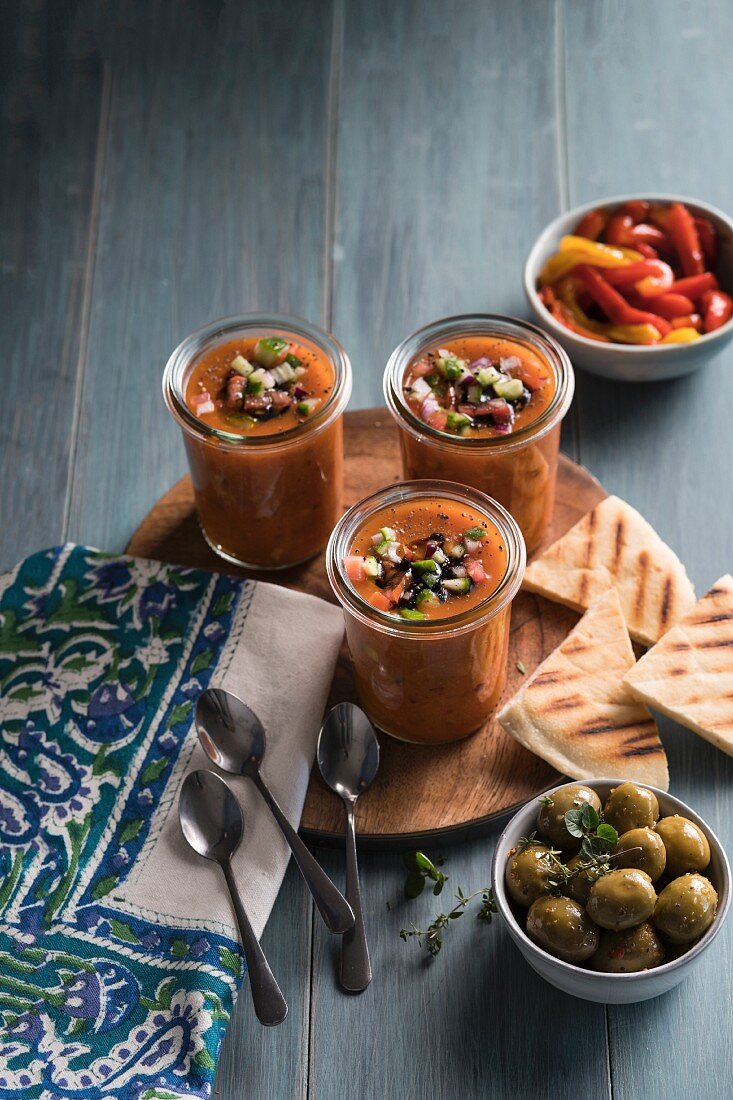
(420, 794)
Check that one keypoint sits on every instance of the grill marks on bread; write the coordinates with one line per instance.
(614, 547)
(688, 675)
(576, 713)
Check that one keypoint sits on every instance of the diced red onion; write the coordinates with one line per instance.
(429, 406)
(420, 388)
(509, 363)
(472, 546)
(460, 571)
(481, 363)
(199, 399)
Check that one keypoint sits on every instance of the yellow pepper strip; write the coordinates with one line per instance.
(579, 250)
(681, 336)
(636, 334)
(600, 255)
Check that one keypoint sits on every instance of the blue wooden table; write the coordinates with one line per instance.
(370, 165)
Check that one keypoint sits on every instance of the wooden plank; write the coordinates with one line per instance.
(653, 82)
(476, 1022)
(446, 170)
(212, 202)
(51, 89)
(259, 1063)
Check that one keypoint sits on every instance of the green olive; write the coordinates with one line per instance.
(646, 851)
(621, 899)
(686, 844)
(551, 818)
(578, 887)
(563, 928)
(528, 874)
(629, 951)
(630, 806)
(686, 908)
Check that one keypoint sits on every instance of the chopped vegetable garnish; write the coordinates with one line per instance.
(410, 579)
(633, 275)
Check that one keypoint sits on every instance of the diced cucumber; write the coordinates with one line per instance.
(254, 386)
(487, 376)
(382, 547)
(475, 533)
(457, 584)
(473, 394)
(270, 350)
(372, 568)
(455, 550)
(300, 371)
(511, 389)
(293, 361)
(268, 380)
(408, 613)
(388, 533)
(427, 598)
(241, 365)
(440, 557)
(241, 420)
(451, 366)
(426, 565)
(456, 420)
(283, 373)
(305, 408)
(432, 580)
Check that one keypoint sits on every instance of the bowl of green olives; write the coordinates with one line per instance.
(611, 890)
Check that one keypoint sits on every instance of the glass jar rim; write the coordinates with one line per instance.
(339, 546)
(480, 324)
(217, 331)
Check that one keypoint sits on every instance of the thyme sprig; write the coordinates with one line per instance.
(431, 938)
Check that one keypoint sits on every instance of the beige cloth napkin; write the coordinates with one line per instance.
(279, 659)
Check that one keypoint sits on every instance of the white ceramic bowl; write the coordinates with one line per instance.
(631, 362)
(588, 984)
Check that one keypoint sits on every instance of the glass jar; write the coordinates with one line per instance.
(517, 470)
(438, 680)
(264, 501)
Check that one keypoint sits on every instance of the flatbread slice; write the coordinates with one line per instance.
(688, 675)
(614, 547)
(577, 715)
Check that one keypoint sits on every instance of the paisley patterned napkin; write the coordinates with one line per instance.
(119, 963)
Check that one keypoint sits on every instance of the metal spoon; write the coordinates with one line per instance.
(348, 756)
(212, 823)
(233, 738)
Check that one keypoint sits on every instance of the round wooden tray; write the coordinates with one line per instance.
(449, 792)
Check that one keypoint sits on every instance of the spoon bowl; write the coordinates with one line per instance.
(230, 732)
(211, 818)
(348, 751)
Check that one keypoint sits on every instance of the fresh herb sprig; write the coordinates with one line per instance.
(597, 842)
(421, 870)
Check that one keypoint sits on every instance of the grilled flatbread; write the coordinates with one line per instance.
(688, 675)
(577, 715)
(614, 547)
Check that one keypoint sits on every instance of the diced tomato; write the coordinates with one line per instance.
(476, 571)
(395, 593)
(421, 368)
(380, 601)
(438, 420)
(354, 567)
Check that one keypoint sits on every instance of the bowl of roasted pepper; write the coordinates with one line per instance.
(637, 289)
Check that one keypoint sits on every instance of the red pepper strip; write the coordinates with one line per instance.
(637, 210)
(622, 233)
(562, 314)
(647, 251)
(684, 237)
(647, 277)
(592, 224)
(670, 305)
(717, 309)
(708, 237)
(693, 321)
(696, 285)
(615, 306)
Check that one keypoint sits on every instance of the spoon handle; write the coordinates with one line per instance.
(331, 904)
(356, 969)
(269, 1004)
